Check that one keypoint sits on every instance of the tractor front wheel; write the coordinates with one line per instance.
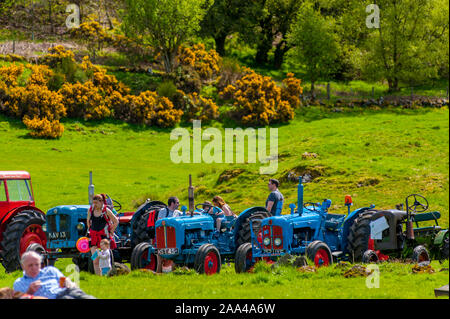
(319, 253)
(23, 230)
(420, 254)
(207, 260)
(369, 257)
(140, 258)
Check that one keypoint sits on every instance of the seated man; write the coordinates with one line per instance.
(45, 282)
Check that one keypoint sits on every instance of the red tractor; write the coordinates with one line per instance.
(20, 221)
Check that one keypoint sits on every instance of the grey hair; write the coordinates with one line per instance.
(30, 254)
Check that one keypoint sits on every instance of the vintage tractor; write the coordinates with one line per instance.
(193, 240)
(325, 237)
(66, 224)
(310, 231)
(383, 234)
(20, 220)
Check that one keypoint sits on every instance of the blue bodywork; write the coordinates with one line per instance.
(191, 232)
(65, 224)
(300, 228)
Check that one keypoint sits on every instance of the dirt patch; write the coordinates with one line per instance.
(307, 269)
(371, 181)
(229, 174)
(357, 271)
(422, 269)
(31, 51)
(308, 174)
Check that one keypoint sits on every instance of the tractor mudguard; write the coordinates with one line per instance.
(14, 212)
(439, 239)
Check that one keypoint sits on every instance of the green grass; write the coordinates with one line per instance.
(403, 151)
(396, 281)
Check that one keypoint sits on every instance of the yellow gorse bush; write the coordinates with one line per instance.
(205, 63)
(257, 100)
(292, 90)
(10, 74)
(199, 108)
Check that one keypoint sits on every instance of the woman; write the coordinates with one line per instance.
(101, 223)
(219, 202)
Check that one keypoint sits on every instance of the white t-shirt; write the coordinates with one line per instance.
(166, 212)
(105, 258)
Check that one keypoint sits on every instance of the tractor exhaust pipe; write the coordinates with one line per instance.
(91, 189)
(191, 196)
(300, 196)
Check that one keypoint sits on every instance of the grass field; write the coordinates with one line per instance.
(377, 157)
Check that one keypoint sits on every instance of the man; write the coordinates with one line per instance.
(169, 211)
(275, 197)
(45, 282)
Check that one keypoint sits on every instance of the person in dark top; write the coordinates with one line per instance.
(101, 223)
(275, 197)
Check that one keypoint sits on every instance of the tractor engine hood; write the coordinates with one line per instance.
(81, 210)
(182, 223)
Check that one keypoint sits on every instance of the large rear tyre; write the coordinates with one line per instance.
(358, 238)
(142, 233)
(444, 249)
(140, 258)
(23, 230)
(207, 260)
(244, 231)
(243, 260)
(319, 253)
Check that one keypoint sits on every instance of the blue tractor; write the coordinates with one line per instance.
(310, 230)
(193, 239)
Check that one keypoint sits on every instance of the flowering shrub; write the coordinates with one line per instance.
(147, 108)
(84, 100)
(10, 74)
(40, 74)
(292, 90)
(92, 34)
(56, 56)
(257, 100)
(205, 63)
(43, 128)
(200, 108)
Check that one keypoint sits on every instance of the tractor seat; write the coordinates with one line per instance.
(427, 216)
(333, 221)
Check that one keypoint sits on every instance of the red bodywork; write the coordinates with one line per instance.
(10, 208)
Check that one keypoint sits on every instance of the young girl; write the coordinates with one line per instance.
(219, 202)
(105, 257)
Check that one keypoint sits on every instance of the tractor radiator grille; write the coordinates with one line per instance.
(272, 232)
(165, 237)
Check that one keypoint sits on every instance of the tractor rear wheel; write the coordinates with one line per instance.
(420, 254)
(140, 260)
(319, 253)
(23, 230)
(207, 260)
(243, 259)
(359, 235)
(244, 231)
(140, 229)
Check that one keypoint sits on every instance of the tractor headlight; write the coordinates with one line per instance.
(80, 226)
(277, 241)
(266, 241)
(44, 227)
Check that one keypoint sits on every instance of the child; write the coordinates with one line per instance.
(105, 257)
(226, 210)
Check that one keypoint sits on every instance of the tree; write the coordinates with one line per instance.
(163, 24)
(314, 43)
(222, 19)
(410, 45)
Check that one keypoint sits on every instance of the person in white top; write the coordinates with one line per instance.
(226, 210)
(105, 257)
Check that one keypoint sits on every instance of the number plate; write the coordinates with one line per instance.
(57, 235)
(273, 251)
(168, 251)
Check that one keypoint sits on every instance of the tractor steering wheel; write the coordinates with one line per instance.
(117, 206)
(316, 207)
(413, 207)
(207, 208)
